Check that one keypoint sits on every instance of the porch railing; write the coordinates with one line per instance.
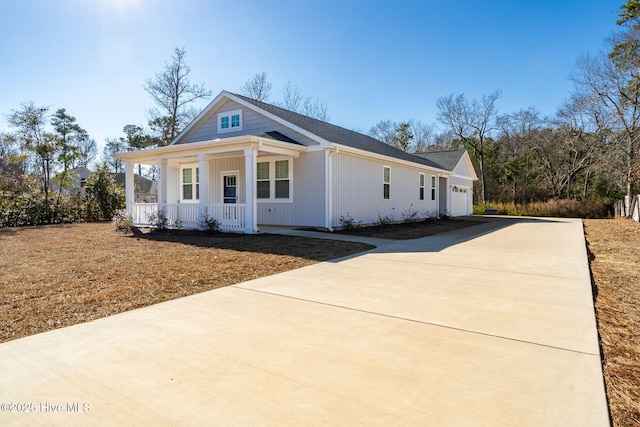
(142, 211)
(229, 216)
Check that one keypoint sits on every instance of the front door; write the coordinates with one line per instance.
(230, 188)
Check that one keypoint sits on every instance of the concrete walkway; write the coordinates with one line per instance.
(491, 325)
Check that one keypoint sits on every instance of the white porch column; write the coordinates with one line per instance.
(129, 186)
(203, 165)
(162, 183)
(251, 212)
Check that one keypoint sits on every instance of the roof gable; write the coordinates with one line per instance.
(457, 161)
(319, 131)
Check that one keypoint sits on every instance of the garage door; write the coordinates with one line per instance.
(460, 201)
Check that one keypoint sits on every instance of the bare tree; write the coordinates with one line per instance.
(563, 153)
(257, 87)
(114, 146)
(87, 151)
(172, 92)
(513, 147)
(424, 135)
(445, 140)
(384, 130)
(293, 100)
(472, 122)
(607, 90)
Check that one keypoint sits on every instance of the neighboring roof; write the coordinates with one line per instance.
(337, 134)
(447, 159)
(81, 170)
(144, 185)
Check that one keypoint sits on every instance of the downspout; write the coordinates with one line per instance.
(328, 192)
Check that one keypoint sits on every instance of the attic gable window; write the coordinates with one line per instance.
(230, 121)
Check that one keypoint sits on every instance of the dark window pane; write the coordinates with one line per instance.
(263, 170)
(187, 191)
(282, 189)
(263, 190)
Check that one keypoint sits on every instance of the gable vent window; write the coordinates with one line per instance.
(230, 121)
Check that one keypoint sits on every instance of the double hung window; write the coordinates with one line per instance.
(190, 184)
(274, 180)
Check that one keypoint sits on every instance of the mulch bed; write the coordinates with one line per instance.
(413, 230)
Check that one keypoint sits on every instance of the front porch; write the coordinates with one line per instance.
(230, 217)
(213, 180)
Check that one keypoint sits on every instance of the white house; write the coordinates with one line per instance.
(247, 163)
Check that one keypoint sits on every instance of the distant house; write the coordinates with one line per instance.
(75, 178)
(247, 163)
(145, 189)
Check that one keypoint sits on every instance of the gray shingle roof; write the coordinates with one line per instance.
(446, 159)
(339, 135)
(277, 136)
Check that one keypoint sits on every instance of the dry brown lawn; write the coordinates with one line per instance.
(615, 264)
(60, 275)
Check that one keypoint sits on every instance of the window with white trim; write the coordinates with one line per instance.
(190, 183)
(421, 186)
(230, 121)
(386, 182)
(433, 187)
(274, 179)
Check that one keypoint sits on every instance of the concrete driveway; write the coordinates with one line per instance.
(490, 325)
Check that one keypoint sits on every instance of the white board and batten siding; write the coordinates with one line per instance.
(307, 206)
(358, 192)
(252, 123)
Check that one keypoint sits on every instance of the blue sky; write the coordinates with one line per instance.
(367, 60)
